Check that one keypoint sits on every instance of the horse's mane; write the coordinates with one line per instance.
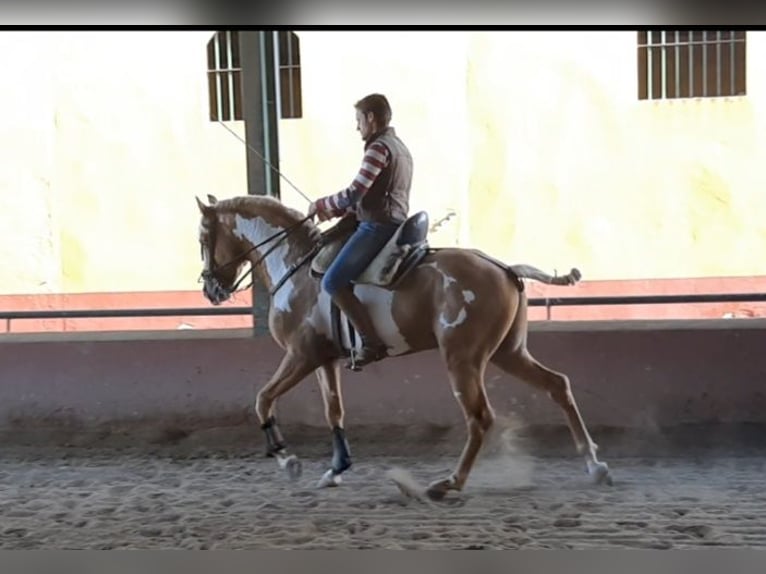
(270, 208)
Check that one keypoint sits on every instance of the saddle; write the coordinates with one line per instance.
(403, 252)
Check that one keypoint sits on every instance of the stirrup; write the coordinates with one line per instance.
(368, 355)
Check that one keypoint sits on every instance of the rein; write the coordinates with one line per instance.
(282, 235)
(285, 232)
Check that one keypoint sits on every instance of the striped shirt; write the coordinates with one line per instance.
(375, 159)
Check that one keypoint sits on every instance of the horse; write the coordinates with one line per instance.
(461, 301)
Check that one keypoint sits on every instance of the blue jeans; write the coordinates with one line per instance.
(358, 252)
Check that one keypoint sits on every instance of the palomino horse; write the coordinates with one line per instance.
(468, 305)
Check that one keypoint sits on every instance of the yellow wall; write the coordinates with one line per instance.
(538, 142)
(569, 168)
(105, 141)
(535, 139)
(423, 74)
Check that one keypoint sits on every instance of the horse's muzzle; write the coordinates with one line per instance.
(214, 291)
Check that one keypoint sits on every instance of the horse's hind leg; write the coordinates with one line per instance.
(519, 363)
(329, 383)
(292, 370)
(467, 380)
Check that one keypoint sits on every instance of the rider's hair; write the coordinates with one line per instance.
(378, 106)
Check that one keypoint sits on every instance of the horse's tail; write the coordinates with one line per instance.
(531, 272)
(522, 271)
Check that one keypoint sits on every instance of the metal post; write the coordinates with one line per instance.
(258, 109)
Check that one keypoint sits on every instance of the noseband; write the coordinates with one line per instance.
(209, 275)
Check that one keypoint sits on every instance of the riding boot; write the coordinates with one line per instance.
(373, 347)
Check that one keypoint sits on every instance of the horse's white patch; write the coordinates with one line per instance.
(379, 303)
(468, 297)
(447, 279)
(461, 316)
(255, 231)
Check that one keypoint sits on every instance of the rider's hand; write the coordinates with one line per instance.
(315, 210)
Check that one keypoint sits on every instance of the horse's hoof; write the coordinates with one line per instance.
(436, 494)
(293, 467)
(438, 490)
(328, 479)
(600, 474)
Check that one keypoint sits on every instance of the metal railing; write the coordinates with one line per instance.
(547, 302)
(43, 314)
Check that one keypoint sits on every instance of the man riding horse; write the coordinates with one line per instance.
(461, 301)
(378, 198)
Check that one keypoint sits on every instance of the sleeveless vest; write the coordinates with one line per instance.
(388, 200)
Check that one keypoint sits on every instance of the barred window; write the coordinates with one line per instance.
(224, 75)
(290, 75)
(691, 64)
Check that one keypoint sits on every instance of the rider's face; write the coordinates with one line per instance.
(365, 124)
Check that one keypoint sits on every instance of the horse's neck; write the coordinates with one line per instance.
(277, 254)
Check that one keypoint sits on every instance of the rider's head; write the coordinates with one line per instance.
(373, 113)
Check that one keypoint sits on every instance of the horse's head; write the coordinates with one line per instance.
(222, 254)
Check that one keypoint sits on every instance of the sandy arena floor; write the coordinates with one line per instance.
(191, 497)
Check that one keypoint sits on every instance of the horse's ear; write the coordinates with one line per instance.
(212, 199)
(204, 209)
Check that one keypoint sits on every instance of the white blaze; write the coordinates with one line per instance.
(205, 251)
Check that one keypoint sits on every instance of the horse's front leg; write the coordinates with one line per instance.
(292, 370)
(329, 383)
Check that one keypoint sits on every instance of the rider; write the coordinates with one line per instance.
(379, 198)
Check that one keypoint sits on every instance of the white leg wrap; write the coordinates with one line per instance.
(329, 479)
(284, 460)
(599, 471)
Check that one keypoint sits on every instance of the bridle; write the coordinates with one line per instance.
(209, 275)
